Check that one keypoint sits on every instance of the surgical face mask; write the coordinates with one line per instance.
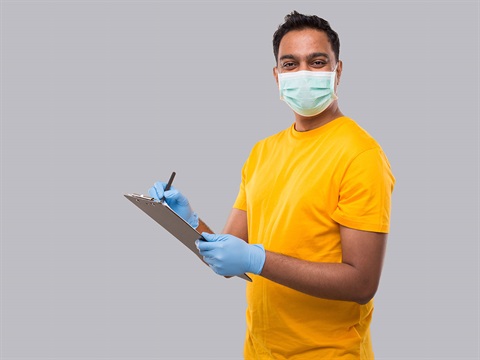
(308, 93)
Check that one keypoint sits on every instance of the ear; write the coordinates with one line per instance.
(275, 74)
(339, 72)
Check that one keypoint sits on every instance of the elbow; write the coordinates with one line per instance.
(365, 293)
(364, 300)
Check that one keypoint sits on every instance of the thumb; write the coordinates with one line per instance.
(209, 237)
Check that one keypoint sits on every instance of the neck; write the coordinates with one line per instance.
(303, 123)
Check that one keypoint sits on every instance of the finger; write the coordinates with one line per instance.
(210, 262)
(209, 237)
(153, 193)
(207, 259)
(197, 242)
(213, 268)
(213, 265)
(203, 246)
(156, 191)
(172, 194)
(218, 270)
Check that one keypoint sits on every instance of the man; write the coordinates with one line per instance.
(311, 218)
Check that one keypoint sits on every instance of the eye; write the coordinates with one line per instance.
(288, 65)
(319, 63)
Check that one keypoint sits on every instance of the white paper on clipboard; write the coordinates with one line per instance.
(170, 221)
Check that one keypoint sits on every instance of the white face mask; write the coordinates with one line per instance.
(308, 93)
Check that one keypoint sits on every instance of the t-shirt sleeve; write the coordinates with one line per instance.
(365, 193)
(241, 201)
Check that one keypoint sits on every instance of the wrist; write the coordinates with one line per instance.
(257, 258)
(193, 220)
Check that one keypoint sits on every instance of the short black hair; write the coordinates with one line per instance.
(297, 21)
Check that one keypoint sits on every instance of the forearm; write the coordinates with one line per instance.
(334, 281)
(202, 227)
(236, 225)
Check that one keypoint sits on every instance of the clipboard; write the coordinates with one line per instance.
(170, 221)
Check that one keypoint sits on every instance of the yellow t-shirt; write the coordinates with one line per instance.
(296, 188)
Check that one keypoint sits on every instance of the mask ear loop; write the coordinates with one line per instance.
(334, 71)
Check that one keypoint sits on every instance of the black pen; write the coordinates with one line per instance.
(169, 184)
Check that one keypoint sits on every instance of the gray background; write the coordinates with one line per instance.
(100, 98)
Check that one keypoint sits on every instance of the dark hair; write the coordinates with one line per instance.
(297, 21)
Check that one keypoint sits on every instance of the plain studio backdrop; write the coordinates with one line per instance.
(102, 98)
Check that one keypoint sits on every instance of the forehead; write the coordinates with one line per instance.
(303, 42)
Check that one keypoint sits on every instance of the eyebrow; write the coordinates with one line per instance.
(309, 57)
(318, 54)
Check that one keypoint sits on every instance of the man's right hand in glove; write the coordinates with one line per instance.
(176, 201)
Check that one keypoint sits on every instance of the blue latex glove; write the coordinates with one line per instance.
(228, 255)
(176, 201)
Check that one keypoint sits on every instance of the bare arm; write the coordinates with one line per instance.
(236, 225)
(356, 278)
(202, 227)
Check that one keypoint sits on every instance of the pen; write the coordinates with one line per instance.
(169, 184)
